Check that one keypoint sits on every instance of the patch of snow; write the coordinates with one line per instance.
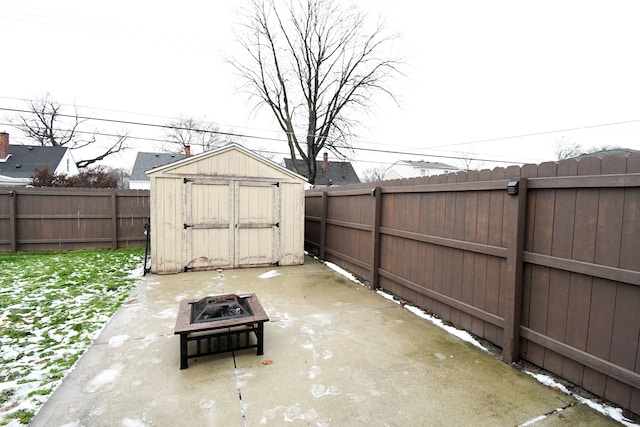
(206, 404)
(290, 414)
(463, 335)
(343, 272)
(117, 340)
(314, 372)
(609, 411)
(103, 378)
(128, 422)
(269, 274)
(327, 354)
(532, 421)
(318, 390)
(306, 330)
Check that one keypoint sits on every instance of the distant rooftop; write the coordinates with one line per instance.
(609, 152)
(24, 159)
(147, 161)
(421, 164)
(340, 173)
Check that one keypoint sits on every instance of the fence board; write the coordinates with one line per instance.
(39, 219)
(443, 243)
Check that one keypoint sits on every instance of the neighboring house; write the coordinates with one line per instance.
(328, 173)
(608, 152)
(18, 162)
(413, 169)
(146, 161)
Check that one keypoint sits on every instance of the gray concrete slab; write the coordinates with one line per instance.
(336, 354)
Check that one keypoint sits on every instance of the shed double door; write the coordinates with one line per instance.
(231, 224)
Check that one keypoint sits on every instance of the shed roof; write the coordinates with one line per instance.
(220, 151)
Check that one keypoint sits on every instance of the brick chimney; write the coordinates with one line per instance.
(4, 146)
(325, 162)
(187, 151)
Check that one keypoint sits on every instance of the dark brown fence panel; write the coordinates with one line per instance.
(40, 219)
(551, 275)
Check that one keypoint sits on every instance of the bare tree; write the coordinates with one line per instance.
(187, 131)
(313, 64)
(566, 149)
(466, 161)
(374, 174)
(49, 125)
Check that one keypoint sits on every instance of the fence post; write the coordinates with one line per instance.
(323, 223)
(114, 220)
(375, 238)
(515, 247)
(13, 224)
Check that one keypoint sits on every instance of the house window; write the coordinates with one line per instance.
(423, 172)
(68, 165)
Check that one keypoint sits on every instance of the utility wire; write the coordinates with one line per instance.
(373, 150)
(247, 136)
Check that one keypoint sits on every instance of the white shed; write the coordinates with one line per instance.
(225, 208)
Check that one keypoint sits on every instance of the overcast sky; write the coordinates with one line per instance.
(477, 73)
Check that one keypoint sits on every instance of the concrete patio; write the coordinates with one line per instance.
(336, 354)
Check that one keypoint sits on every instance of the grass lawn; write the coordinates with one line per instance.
(52, 306)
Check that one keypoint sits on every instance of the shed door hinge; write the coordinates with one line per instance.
(277, 224)
(187, 226)
(277, 184)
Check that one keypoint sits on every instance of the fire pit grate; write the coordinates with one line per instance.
(209, 309)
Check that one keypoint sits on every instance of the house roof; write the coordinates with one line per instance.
(421, 164)
(609, 152)
(24, 159)
(340, 173)
(147, 161)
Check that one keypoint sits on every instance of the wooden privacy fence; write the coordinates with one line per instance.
(551, 275)
(40, 219)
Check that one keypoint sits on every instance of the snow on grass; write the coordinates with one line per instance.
(52, 306)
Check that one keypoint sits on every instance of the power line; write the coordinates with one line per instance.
(373, 150)
(537, 133)
(367, 142)
(242, 136)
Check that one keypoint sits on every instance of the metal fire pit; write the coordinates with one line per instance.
(219, 324)
(214, 308)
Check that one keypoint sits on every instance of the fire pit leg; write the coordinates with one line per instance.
(260, 337)
(184, 361)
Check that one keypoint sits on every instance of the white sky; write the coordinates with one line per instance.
(476, 71)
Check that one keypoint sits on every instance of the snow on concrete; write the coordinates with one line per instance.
(610, 411)
(269, 274)
(103, 378)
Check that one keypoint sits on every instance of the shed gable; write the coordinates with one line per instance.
(231, 161)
